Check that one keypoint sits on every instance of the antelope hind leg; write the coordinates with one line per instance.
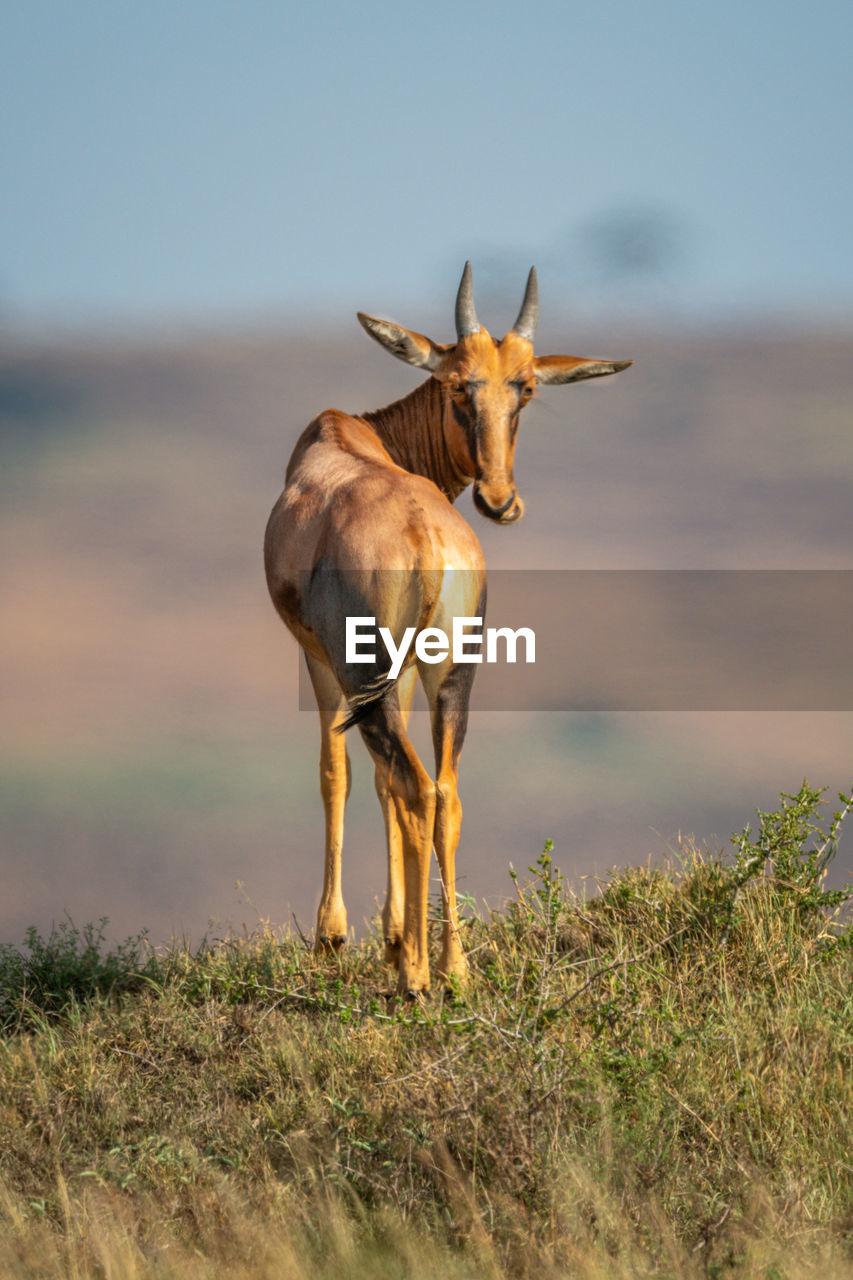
(392, 911)
(449, 691)
(335, 782)
(412, 793)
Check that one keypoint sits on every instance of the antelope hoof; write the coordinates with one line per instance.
(454, 983)
(329, 942)
(393, 947)
(412, 985)
(412, 994)
(453, 973)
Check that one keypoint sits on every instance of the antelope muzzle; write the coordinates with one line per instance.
(503, 510)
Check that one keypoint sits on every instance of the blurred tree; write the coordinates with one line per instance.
(639, 252)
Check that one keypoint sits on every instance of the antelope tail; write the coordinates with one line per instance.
(360, 703)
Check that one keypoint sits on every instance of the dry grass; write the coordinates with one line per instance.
(654, 1081)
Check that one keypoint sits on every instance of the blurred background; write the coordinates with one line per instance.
(196, 198)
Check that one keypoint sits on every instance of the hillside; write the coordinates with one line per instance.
(153, 753)
(653, 1081)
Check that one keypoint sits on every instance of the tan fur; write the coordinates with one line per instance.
(366, 516)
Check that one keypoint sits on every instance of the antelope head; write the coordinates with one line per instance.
(488, 382)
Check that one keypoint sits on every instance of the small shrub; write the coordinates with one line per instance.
(794, 849)
(69, 967)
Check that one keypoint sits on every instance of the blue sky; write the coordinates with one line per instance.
(211, 160)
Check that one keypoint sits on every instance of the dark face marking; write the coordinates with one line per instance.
(461, 414)
(489, 383)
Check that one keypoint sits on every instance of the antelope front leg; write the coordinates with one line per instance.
(449, 691)
(392, 911)
(416, 814)
(448, 820)
(335, 782)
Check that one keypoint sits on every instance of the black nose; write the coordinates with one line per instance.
(493, 513)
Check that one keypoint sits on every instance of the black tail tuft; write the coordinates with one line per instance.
(360, 703)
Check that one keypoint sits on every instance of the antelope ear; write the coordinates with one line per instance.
(551, 370)
(405, 344)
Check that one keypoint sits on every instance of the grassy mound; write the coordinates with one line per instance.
(652, 1081)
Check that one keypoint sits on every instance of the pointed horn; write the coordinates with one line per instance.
(466, 316)
(525, 325)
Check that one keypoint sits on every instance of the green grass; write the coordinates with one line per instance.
(652, 1081)
(51, 976)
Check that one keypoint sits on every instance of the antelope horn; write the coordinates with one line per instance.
(466, 316)
(525, 325)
